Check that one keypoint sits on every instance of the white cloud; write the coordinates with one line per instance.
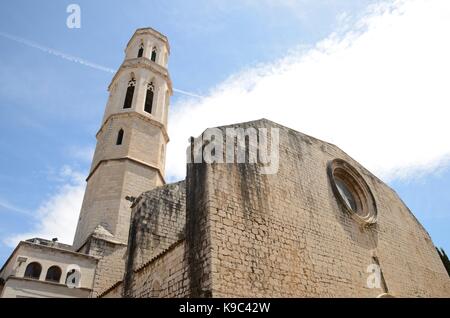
(58, 215)
(378, 90)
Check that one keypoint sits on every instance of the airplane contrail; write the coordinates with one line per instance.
(75, 59)
(56, 53)
(187, 93)
(11, 207)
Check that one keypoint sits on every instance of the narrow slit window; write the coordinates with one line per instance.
(119, 137)
(149, 98)
(141, 51)
(129, 94)
(153, 58)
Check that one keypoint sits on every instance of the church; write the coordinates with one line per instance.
(318, 225)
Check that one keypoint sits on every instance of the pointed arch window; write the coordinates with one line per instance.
(129, 94)
(149, 98)
(153, 57)
(119, 137)
(141, 50)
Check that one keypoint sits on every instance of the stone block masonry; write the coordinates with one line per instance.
(157, 222)
(230, 231)
(285, 235)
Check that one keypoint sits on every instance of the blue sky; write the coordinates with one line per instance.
(50, 107)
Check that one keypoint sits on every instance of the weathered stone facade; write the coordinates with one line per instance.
(283, 235)
(286, 235)
(158, 224)
(111, 264)
(158, 221)
(164, 276)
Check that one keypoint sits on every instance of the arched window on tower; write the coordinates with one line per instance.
(141, 50)
(153, 58)
(119, 137)
(53, 274)
(149, 98)
(33, 270)
(129, 94)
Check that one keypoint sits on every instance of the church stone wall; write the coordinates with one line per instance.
(165, 276)
(111, 264)
(158, 221)
(250, 234)
(116, 291)
(198, 225)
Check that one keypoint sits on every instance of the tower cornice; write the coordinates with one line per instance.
(130, 159)
(151, 31)
(143, 63)
(138, 115)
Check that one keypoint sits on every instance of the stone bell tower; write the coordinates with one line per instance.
(131, 142)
